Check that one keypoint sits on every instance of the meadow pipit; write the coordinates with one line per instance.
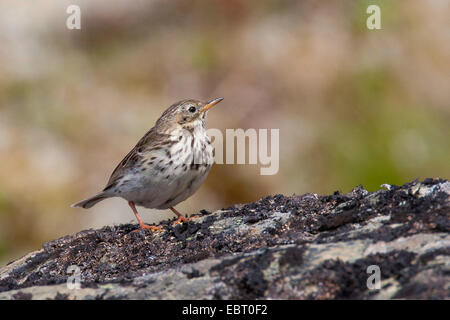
(167, 165)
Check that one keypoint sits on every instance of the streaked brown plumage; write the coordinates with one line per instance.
(167, 165)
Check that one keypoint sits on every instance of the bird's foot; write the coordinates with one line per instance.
(142, 225)
(182, 219)
(148, 227)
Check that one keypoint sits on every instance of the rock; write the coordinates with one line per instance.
(280, 247)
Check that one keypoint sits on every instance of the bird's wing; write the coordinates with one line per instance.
(151, 140)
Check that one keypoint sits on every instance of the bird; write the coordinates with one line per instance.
(167, 165)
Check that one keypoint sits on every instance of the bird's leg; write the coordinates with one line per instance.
(181, 218)
(141, 223)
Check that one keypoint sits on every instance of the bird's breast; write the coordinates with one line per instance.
(174, 173)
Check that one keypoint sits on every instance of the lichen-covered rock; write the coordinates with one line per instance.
(297, 247)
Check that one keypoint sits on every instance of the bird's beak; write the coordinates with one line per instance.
(211, 104)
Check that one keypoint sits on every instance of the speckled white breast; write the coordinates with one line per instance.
(173, 179)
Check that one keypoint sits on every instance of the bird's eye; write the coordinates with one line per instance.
(192, 109)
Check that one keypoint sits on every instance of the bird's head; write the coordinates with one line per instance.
(186, 114)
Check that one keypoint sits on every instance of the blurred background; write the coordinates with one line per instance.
(354, 106)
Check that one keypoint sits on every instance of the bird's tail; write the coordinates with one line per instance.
(90, 202)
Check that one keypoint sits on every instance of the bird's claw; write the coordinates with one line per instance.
(148, 227)
(183, 219)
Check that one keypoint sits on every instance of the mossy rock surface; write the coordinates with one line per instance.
(280, 247)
